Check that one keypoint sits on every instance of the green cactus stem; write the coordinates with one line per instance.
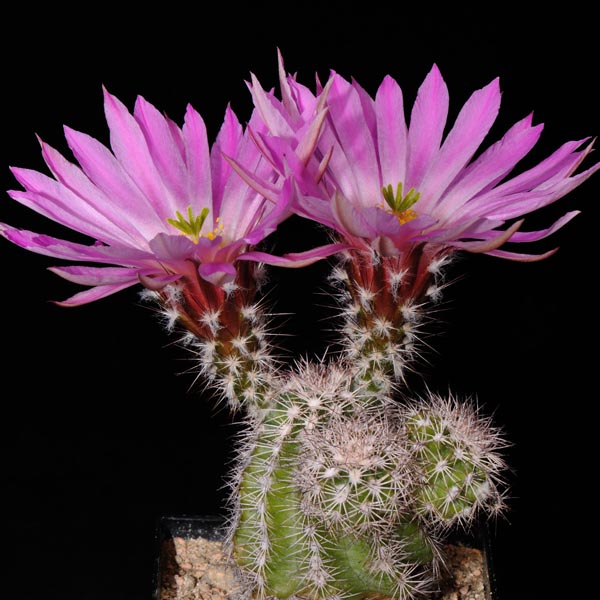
(288, 542)
(457, 460)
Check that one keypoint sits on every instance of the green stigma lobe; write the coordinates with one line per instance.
(397, 202)
(193, 225)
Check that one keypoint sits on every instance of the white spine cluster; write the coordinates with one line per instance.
(355, 472)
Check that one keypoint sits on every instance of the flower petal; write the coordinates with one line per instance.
(472, 125)
(197, 158)
(427, 122)
(93, 294)
(391, 132)
(534, 236)
(494, 164)
(269, 110)
(226, 144)
(519, 257)
(50, 246)
(355, 138)
(295, 259)
(106, 172)
(85, 275)
(131, 150)
(558, 165)
(491, 244)
(110, 209)
(53, 200)
(164, 150)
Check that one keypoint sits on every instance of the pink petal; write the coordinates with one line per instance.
(491, 244)
(277, 122)
(391, 132)
(534, 236)
(197, 158)
(111, 211)
(558, 165)
(226, 143)
(504, 207)
(155, 282)
(163, 148)
(172, 247)
(106, 172)
(256, 183)
(309, 137)
(350, 218)
(306, 102)
(356, 141)
(295, 259)
(53, 200)
(518, 257)
(250, 178)
(50, 246)
(287, 95)
(131, 150)
(316, 209)
(206, 270)
(93, 294)
(368, 108)
(427, 122)
(260, 222)
(494, 164)
(385, 246)
(84, 275)
(472, 125)
(565, 186)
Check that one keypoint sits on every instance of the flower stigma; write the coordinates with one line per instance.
(399, 204)
(192, 226)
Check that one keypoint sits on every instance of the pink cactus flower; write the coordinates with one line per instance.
(161, 206)
(387, 184)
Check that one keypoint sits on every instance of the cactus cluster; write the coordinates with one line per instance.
(346, 484)
(342, 487)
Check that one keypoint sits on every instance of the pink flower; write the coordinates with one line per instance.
(383, 183)
(161, 206)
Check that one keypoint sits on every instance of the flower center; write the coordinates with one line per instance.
(400, 204)
(192, 225)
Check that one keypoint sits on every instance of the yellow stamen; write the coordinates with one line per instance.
(406, 215)
(217, 231)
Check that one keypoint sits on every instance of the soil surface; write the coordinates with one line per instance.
(196, 569)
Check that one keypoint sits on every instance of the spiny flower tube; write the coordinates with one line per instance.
(167, 211)
(405, 197)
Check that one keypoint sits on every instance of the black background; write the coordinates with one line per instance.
(105, 425)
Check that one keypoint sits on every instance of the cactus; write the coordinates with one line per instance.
(457, 461)
(331, 490)
(304, 527)
(339, 489)
(342, 487)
